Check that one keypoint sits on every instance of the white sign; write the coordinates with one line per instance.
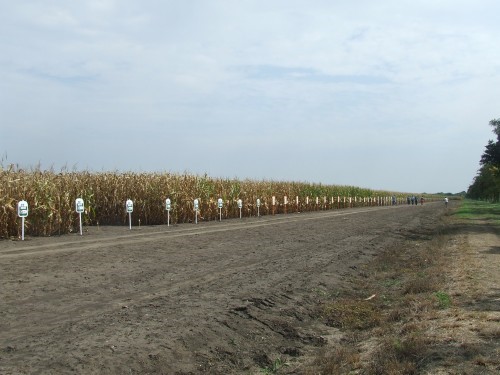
(196, 206)
(22, 209)
(79, 205)
(240, 204)
(219, 204)
(258, 202)
(168, 205)
(22, 212)
(80, 208)
(129, 205)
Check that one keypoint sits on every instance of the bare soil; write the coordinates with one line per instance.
(226, 297)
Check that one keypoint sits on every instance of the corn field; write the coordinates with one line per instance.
(51, 198)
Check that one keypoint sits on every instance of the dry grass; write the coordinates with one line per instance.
(339, 361)
(398, 355)
(489, 332)
(351, 314)
(413, 326)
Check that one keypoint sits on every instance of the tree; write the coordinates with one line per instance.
(491, 155)
(496, 126)
(486, 185)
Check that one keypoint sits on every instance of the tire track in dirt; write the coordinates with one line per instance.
(180, 301)
(151, 236)
(85, 310)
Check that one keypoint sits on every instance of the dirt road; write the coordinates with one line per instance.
(214, 297)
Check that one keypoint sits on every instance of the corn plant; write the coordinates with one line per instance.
(51, 198)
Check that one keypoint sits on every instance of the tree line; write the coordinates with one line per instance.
(486, 184)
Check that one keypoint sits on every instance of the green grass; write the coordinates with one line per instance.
(274, 367)
(479, 210)
(444, 299)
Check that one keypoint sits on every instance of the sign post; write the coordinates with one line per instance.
(80, 207)
(219, 204)
(129, 205)
(22, 212)
(168, 205)
(258, 207)
(240, 205)
(196, 206)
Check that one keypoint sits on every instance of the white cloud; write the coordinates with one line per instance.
(351, 83)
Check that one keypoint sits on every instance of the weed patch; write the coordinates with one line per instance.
(444, 299)
(420, 283)
(277, 364)
(351, 314)
(341, 360)
(398, 355)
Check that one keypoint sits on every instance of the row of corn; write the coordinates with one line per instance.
(51, 198)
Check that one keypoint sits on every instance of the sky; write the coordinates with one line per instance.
(391, 95)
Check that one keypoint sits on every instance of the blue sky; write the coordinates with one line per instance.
(392, 95)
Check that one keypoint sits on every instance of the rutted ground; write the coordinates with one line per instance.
(214, 297)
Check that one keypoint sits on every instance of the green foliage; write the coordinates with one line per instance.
(486, 184)
(444, 299)
(479, 210)
(274, 367)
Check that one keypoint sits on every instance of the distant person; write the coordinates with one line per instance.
(408, 199)
(446, 201)
(393, 200)
(421, 201)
